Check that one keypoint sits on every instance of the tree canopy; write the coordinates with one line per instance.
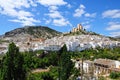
(12, 65)
(65, 64)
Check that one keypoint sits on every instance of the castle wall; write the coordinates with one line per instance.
(78, 28)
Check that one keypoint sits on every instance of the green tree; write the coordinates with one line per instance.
(65, 64)
(114, 75)
(12, 64)
(75, 73)
(29, 60)
(40, 76)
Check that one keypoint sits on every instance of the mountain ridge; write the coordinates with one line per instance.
(33, 31)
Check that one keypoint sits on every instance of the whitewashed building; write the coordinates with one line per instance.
(98, 66)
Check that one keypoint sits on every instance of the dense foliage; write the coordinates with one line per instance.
(115, 75)
(41, 76)
(65, 64)
(109, 53)
(12, 65)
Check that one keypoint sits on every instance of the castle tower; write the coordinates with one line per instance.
(79, 26)
(73, 30)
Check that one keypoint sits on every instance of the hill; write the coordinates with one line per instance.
(33, 31)
(44, 38)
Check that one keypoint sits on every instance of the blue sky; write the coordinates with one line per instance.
(101, 16)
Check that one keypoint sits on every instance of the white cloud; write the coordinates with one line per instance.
(80, 11)
(87, 26)
(15, 20)
(55, 14)
(15, 10)
(82, 6)
(114, 34)
(69, 6)
(25, 21)
(47, 21)
(18, 11)
(113, 26)
(52, 8)
(113, 23)
(57, 19)
(33, 3)
(23, 13)
(52, 2)
(61, 22)
(90, 15)
(11, 4)
(111, 13)
(85, 22)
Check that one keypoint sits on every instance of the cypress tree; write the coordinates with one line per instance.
(12, 64)
(66, 64)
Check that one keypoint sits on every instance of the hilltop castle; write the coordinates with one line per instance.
(78, 28)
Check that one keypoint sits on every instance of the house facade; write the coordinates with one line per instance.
(98, 66)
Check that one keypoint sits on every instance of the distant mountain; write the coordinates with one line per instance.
(33, 31)
(25, 33)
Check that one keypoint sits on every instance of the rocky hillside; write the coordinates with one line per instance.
(32, 31)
